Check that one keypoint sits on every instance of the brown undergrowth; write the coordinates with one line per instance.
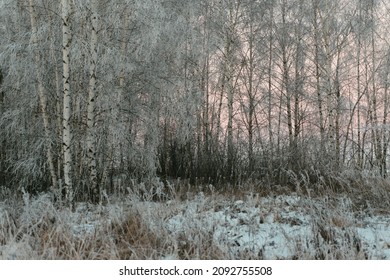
(35, 228)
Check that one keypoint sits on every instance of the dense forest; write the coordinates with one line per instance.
(98, 94)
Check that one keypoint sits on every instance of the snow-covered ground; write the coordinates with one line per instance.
(284, 227)
(248, 227)
(278, 227)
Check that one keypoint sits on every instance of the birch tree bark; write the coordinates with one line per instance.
(67, 110)
(91, 136)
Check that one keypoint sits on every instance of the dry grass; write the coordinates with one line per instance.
(34, 228)
(134, 240)
(40, 231)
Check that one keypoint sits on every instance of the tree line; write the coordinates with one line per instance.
(211, 91)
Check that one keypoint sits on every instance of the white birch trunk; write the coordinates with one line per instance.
(67, 133)
(91, 143)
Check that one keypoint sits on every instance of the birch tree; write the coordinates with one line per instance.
(91, 144)
(67, 110)
(42, 94)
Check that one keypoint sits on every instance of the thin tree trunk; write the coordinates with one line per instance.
(2, 138)
(318, 78)
(91, 137)
(338, 113)
(230, 95)
(360, 153)
(377, 132)
(286, 83)
(67, 111)
(330, 94)
(251, 99)
(42, 97)
(121, 118)
(58, 113)
(385, 138)
(1, 93)
(205, 88)
(299, 73)
(270, 64)
(206, 125)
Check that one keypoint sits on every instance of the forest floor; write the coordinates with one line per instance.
(206, 224)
